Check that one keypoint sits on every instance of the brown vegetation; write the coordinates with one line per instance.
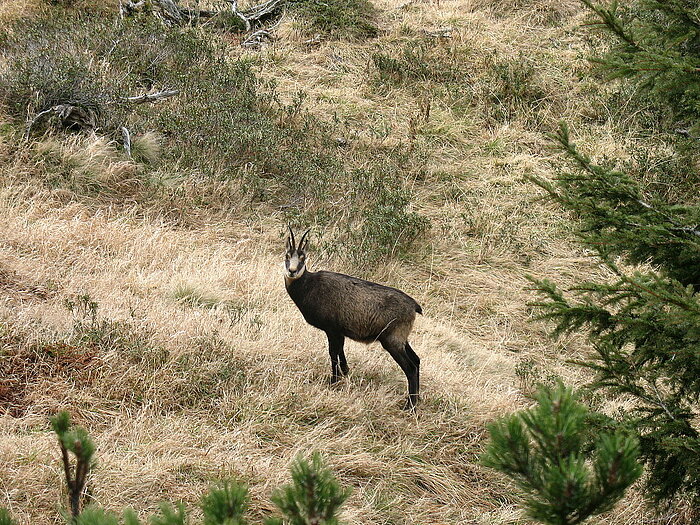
(195, 366)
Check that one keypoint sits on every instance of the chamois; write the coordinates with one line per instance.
(345, 306)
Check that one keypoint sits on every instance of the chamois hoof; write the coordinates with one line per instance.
(332, 380)
(411, 403)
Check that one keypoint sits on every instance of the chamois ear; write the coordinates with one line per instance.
(304, 242)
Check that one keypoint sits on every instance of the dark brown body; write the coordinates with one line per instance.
(360, 310)
(345, 306)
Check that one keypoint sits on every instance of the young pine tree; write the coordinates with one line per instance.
(546, 451)
(313, 498)
(76, 441)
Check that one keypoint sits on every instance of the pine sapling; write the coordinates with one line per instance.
(313, 498)
(74, 440)
(543, 450)
(225, 505)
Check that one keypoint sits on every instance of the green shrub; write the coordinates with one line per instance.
(421, 61)
(388, 227)
(226, 141)
(338, 18)
(511, 87)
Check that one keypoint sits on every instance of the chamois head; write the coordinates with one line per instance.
(295, 258)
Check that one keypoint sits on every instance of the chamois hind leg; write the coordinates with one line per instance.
(409, 362)
(339, 365)
(416, 360)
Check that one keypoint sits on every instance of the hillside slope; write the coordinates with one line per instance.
(146, 296)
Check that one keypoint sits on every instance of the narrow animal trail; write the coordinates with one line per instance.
(180, 351)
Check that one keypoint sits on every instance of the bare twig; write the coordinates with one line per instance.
(40, 117)
(171, 13)
(686, 133)
(264, 10)
(443, 32)
(256, 39)
(70, 116)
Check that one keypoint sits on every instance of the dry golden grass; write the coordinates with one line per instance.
(204, 369)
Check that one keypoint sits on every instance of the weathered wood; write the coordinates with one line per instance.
(69, 115)
(234, 8)
(262, 12)
(79, 117)
(153, 97)
(256, 39)
(253, 18)
(126, 140)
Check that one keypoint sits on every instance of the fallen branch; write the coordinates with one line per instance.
(443, 32)
(172, 14)
(69, 115)
(258, 37)
(81, 117)
(262, 12)
(153, 97)
(234, 8)
(686, 133)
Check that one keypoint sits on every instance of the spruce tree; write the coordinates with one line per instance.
(566, 473)
(644, 323)
(656, 45)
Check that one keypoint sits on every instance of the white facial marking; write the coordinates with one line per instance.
(294, 267)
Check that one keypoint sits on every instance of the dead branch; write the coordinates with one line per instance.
(256, 39)
(443, 32)
(172, 14)
(69, 116)
(153, 97)
(263, 12)
(234, 8)
(80, 117)
(126, 139)
(687, 133)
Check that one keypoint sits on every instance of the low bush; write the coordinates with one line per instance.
(354, 19)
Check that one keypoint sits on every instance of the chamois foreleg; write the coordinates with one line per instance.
(339, 365)
(409, 362)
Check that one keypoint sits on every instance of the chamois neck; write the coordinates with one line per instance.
(289, 281)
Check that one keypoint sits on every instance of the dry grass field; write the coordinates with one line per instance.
(164, 328)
